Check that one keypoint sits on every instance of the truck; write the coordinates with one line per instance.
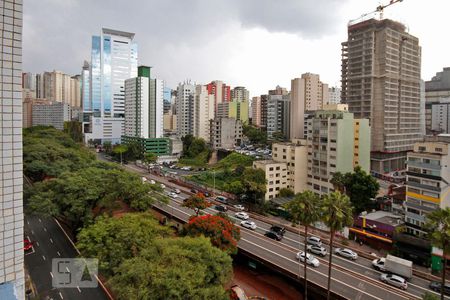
(395, 265)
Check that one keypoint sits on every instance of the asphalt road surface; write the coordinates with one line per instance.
(50, 242)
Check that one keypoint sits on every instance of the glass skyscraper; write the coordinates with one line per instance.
(11, 182)
(113, 60)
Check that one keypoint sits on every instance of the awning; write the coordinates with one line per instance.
(368, 234)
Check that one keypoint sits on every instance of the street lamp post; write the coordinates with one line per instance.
(214, 189)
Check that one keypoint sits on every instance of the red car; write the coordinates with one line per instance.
(27, 244)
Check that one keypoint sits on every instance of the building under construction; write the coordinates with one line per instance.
(381, 82)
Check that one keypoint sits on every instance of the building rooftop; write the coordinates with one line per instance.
(267, 162)
(384, 217)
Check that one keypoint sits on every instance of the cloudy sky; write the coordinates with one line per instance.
(255, 43)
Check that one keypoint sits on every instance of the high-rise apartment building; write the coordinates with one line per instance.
(12, 280)
(51, 113)
(114, 58)
(226, 133)
(240, 94)
(334, 95)
(144, 105)
(278, 115)
(381, 82)
(256, 111)
(427, 181)
(185, 106)
(86, 88)
(264, 99)
(308, 93)
(437, 97)
(167, 99)
(233, 109)
(220, 90)
(337, 142)
(279, 91)
(28, 81)
(276, 176)
(204, 112)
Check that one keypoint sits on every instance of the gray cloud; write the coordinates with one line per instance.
(173, 35)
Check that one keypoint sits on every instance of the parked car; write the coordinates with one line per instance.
(27, 244)
(436, 286)
(347, 253)
(319, 250)
(314, 240)
(274, 235)
(163, 186)
(221, 208)
(278, 229)
(394, 280)
(239, 207)
(310, 259)
(248, 224)
(177, 191)
(241, 215)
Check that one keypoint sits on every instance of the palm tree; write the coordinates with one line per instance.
(304, 210)
(336, 214)
(438, 227)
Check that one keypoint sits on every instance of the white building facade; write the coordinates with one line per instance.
(204, 112)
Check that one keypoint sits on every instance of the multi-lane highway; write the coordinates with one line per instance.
(351, 279)
(49, 241)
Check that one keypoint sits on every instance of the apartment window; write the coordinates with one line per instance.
(271, 169)
(270, 182)
(278, 168)
(284, 156)
(422, 149)
(438, 149)
(277, 182)
(270, 189)
(284, 150)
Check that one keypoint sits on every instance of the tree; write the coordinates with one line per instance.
(438, 226)
(337, 213)
(278, 136)
(359, 186)
(254, 183)
(304, 210)
(235, 187)
(255, 135)
(120, 150)
(176, 268)
(74, 130)
(222, 233)
(286, 192)
(150, 158)
(107, 146)
(429, 296)
(134, 150)
(114, 239)
(196, 202)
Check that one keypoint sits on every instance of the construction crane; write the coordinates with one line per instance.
(379, 9)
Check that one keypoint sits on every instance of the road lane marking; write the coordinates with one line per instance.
(37, 243)
(45, 229)
(32, 231)
(78, 288)
(60, 295)
(67, 269)
(51, 274)
(51, 241)
(43, 257)
(59, 254)
(40, 220)
(28, 222)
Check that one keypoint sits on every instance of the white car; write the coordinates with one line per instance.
(152, 181)
(239, 207)
(173, 195)
(248, 224)
(319, 250)
(310, 259)
(163, 186)
(241, 215)
(314, 240)
(347, 253)
(394, 280)
(177, 191)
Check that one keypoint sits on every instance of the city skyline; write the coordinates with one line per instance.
(311, 41)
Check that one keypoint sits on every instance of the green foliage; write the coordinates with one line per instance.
(74, 130)
(193, 146)
(429, 296)
(254, 182)
(286, 192)
(255, 135)
(337, 211)
(235, 187)
(112, 240)
(304, 208)
(278, 136)
(235, 160)
(200, 160)
(150, 158)
(359, 186)
(120, 149)
(107, 146)
(48, 152)
(438, 225)
(197, 203)
(182, 268)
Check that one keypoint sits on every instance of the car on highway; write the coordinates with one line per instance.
(221, 199)
(278, 229)
(313, 240)
(173, 195)
(248, 224)
(194, 191)
(241, 215)
(436, 286)
(163, 186)
(273, 235)
(318, 250)
(310, 259)
(347, 253)
(394, 280)
(27, 244)
(177, 191)
(221, 208)
(152, 181)
(239, 207)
